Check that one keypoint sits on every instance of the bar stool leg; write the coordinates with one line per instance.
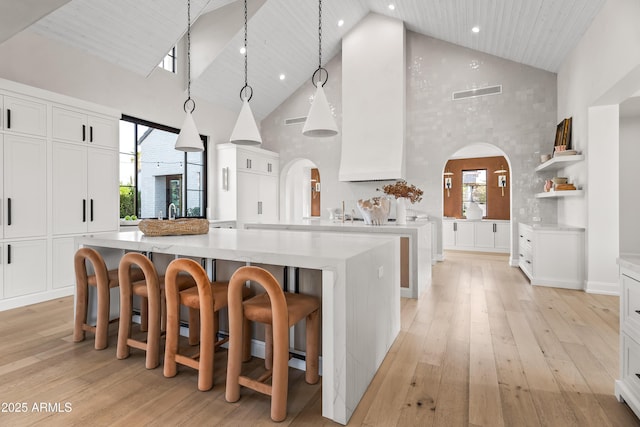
(124, 327)
(194, 326)
(280, 378)
(268, 347)
(81, 312)
(144, 314)
(153, 336)
(171, 344)
(312, 347)
(246, 340)
(102, 323)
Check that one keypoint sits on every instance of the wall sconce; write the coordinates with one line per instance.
(315, 188)
(225, 178)
(447, 185)
(502, 179)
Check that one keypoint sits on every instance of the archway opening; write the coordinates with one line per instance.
(301, 190)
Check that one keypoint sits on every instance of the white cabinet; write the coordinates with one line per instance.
(552, 255)
(484, 236)
(248, 184)
(85, 183)
(78, 126)
(24, 170)
(627, 387)
(25, 267)
(25, 116)
(50, 179)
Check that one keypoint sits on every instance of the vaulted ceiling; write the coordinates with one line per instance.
(283, 34)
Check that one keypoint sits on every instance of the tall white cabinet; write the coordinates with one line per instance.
(59, 158)
(247, 184)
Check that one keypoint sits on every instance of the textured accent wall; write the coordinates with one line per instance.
(521, 122)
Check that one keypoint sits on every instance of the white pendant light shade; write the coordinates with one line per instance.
(189, 138)
(245, 132)
(320, 121)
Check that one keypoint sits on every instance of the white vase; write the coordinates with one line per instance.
(401, 210)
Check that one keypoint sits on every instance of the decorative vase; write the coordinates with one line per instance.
(401, 210)
(473, 212)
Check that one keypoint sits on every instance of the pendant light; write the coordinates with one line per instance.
(320, 121)
(189, 138)
(245, 132)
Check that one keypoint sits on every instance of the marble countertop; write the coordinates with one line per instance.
(278, 247)
(327, 225)
(552, 227)
(630, 262)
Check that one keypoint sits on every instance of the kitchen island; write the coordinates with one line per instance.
(415, 246)
(360, 291)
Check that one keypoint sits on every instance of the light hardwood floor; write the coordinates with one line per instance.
(480, 348)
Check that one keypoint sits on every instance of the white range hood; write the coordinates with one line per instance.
(373, 100)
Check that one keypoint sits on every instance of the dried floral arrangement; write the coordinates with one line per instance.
(402, 189)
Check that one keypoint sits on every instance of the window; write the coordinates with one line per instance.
(169, 61)
(153, 174)
(474, 189)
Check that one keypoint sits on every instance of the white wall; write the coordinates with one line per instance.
(629, 179)
(602, 70)
(36, 61)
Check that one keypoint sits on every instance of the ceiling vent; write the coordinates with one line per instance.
(473, 93)
(295, 120)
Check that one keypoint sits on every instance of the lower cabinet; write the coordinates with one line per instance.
(627, 387)
(552, 255)
(484, 236)
(24, 268)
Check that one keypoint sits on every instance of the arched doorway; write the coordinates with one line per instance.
(300, 188)
(477, 178)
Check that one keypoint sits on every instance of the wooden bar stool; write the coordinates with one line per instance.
(153, 311)
(103, 280)
(280, 310)
(206, 297)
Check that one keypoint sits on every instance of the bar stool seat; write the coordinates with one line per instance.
(279, 310)
(153, 311)
(206, 298)
(103, 280)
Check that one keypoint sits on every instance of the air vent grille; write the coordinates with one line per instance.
(295, 120)
(473, 93)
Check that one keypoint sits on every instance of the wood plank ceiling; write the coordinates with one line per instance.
(136, 34)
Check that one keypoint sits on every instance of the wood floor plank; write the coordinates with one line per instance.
(481, 347)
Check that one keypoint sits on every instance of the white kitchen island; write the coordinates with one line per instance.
(416, 245)
(360, 292)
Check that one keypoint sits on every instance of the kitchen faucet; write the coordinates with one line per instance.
(172, 212)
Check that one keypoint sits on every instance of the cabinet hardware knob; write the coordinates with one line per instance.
(528, 262)
(91, 209)
(84, 132)
(8, 254)
(90, 133)
(8, 118)
(84, 210)
(8, 210)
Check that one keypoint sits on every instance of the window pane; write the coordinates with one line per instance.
(195, 184)
(474, 189)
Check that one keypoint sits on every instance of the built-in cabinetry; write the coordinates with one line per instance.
(552, 255)
(248, 184)
(627, 387)
(58, 154)
(485, 235)
(557, 163)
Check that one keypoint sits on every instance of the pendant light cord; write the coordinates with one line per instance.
(246, 54)
(189, 100)
(319, 71)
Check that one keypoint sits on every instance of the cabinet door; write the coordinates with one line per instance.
(103, 194)
(484, 235)
(63, 274)
(25, 186)
(448, 234)
(69, 125)
(247, 197)
(268, 199)
(103, 132)
(25, 269)
(247, 161)
(465, 234)
(69, 177)
(503, 236)
(25, 116)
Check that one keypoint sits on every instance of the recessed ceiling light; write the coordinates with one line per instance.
(476, 29)
(341, 23)
(243, 50)
(392, 6)
(282, 76)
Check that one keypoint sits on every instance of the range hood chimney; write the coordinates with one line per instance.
(373, 100)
